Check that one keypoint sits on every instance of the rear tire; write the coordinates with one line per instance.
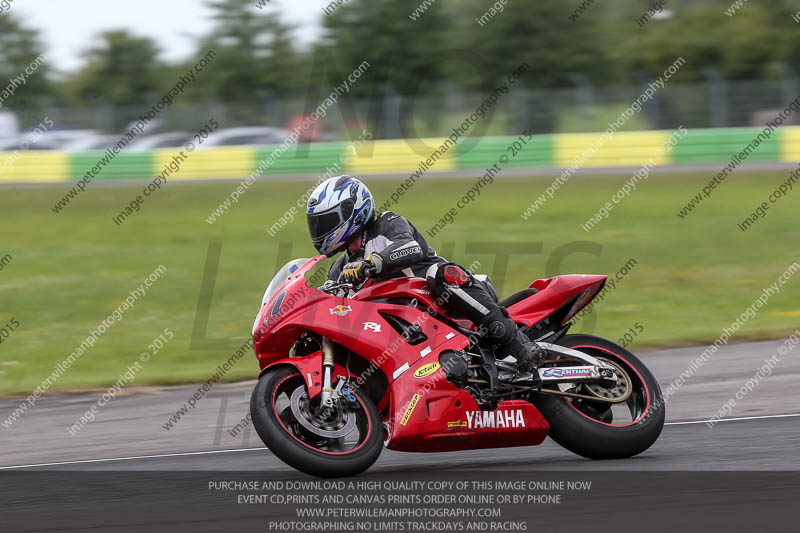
(295, 449)
(590, 437)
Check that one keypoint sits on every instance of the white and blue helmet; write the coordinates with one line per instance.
(338, 210)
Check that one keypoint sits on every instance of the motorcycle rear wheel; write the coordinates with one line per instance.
(587, 428)
(302, 444)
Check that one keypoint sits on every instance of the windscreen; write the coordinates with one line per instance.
(283, 274)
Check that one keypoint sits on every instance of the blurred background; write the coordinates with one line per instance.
(274, 59)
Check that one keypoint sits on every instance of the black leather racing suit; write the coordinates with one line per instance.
(404, 253)
(401, 246)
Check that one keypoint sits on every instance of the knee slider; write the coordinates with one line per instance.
(454, 275)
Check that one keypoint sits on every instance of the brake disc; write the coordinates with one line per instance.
(620, 392)
(302, 414)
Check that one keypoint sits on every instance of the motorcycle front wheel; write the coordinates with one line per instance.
(337, 441)
(598, 429)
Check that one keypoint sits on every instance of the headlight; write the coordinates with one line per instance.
(278, 302)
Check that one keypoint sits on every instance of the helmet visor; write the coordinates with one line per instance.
(322, 224)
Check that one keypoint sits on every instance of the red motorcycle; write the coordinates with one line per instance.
(346, 370)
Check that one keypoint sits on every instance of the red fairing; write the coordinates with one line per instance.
(433, 415)
(553, 293)
(270, 345)
(421, 409)
(309, 367)
(357, 325)
(416, 288)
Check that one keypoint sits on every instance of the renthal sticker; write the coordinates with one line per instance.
(566, 372)
(422, 291)
(340, 310)
(457, 424)
(409, 410)
(403, 253)
(374, 326)
(511, 418)
(426, 370)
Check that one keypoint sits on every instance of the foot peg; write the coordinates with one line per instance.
(527, 353)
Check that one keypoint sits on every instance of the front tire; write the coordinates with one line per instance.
(303, 444)
(587, 428)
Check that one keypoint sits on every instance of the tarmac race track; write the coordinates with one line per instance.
(126, 472)
(750, 444)
(762, 433)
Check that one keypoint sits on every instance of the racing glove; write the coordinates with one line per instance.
(357, 271)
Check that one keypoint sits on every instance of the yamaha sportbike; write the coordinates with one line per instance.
(348, 370)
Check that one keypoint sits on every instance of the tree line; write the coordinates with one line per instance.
(442, 48)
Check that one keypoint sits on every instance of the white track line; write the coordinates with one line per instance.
(255, 449)
(131, 458)
(730, 419)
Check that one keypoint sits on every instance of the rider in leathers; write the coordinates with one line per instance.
(341, 217)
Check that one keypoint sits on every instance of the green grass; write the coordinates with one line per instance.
(69, 271)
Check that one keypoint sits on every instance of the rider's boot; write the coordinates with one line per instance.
(512, 341)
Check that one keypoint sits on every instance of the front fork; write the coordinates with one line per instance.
(327, 372)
